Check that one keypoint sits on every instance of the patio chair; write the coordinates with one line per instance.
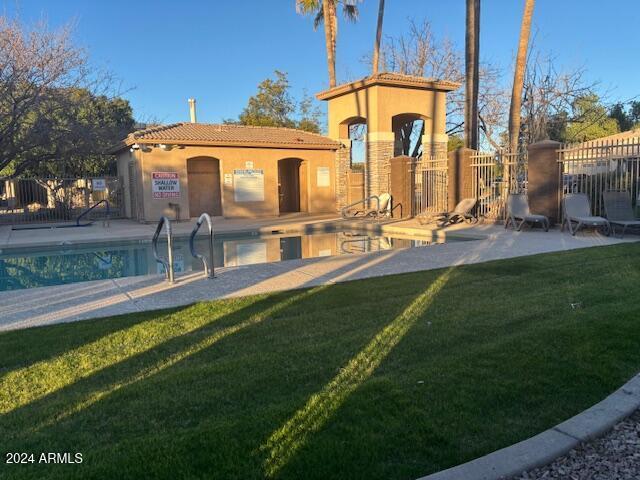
(518, 213)
(381, 203)
(619, 211)
(462, 213)
(383, 208)
(576, 210)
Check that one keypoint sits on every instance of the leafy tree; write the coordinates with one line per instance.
(53, 118)
(590, 120)
(627, 119)
(273, 106)
(455, 142)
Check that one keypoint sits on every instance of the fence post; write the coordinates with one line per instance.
(402, 185)
(544, 180)
(460, 175)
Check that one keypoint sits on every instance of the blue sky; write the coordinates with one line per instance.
(218, 51)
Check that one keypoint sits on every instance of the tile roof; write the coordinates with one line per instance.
(392, 79)
(228, 135)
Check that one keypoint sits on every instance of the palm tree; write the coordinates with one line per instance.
(376, 47)
(518, 78)
(325, 12)
(472, 66)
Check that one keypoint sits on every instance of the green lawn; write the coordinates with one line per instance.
(392, 377)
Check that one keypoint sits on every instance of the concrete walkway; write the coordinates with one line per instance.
(65, 303)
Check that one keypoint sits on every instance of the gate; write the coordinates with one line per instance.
(431, 182)
(494, 176)
(595, 167)
(54, 199)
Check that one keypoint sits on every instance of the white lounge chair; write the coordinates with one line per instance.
(577, 210)
(518, 213)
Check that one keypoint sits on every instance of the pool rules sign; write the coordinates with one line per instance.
(165, 185)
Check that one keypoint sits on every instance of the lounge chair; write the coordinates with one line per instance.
(518, 213)
(576, 210)
(381, 207)
(461, 213)
(619, 210)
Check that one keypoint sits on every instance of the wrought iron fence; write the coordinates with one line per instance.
(598, 166)
(431, 181)
(494, 176)
(54, 199)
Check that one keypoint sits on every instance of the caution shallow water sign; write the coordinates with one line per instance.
(165, 185)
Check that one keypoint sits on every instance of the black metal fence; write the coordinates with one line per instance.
(54, 199)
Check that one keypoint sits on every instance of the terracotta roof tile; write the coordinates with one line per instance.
(228, 135)
(389, 78)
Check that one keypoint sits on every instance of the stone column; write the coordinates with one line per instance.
(379, 153)
(460, 175)
(343, 165)
(543, 187)
(435, 145)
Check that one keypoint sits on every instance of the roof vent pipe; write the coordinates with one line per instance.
(192, 110)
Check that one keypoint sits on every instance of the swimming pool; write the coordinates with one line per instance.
(29, 268)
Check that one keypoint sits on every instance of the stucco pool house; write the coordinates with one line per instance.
(186, 169)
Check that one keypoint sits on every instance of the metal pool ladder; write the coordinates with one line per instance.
(208, 267)
(167, 264)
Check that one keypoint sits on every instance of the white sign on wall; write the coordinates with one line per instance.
(99, 184)
(248, 185)
(323, 177)
(228, 179)
(165, 185)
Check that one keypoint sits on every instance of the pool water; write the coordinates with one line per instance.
(28, 268)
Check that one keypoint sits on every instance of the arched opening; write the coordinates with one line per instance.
(355, 129)
(203, 179)
(408, 129)
(289, 185)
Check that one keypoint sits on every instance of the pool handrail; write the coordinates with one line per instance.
(105, 201)
(365, 204)
(208, 267)
(167, 264)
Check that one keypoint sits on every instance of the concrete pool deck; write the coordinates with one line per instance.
(100, 298)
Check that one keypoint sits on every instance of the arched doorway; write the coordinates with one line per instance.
(289, 185)
(203, 178)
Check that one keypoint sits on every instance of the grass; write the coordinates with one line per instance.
(393, 377)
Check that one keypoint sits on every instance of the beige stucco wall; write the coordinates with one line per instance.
(314, 199)
(378, 104)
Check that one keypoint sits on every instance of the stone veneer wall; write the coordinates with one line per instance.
(379, 153)
(436, 149)
(343, 164)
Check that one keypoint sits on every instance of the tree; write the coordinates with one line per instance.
(472, 66)
(590, 120)
(273, 106)
(515, 111)
(55, 116)
(628, 119)
(419, 52)
(324, 11)
(376, 47)
(548, 99)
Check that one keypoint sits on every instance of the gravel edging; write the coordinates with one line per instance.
(615, 456)
(547, 446)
